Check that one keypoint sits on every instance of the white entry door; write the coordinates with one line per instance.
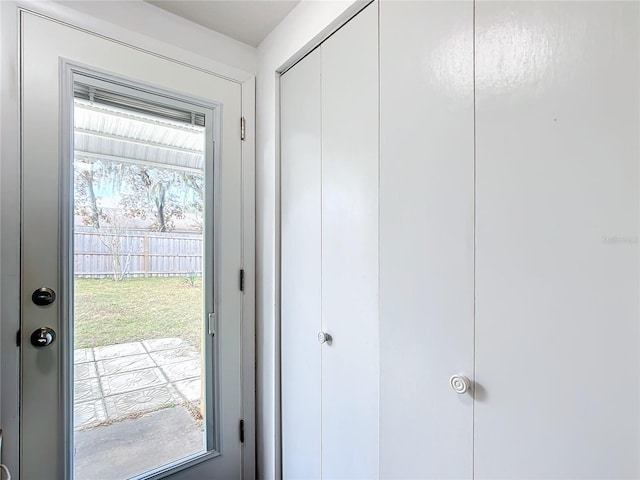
(132, 249)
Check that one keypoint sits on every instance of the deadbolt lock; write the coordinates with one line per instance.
(43, 296)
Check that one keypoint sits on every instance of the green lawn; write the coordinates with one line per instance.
(109, 312)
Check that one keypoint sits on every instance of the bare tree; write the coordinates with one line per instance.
(86, 203)
(110, 225)
(154, 190)
(120, 245)
(195, 184)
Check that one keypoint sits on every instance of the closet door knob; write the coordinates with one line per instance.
(460, 384)
(324, 337)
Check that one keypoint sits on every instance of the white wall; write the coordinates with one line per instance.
(304, 28)
(166, 33)
(161, 33)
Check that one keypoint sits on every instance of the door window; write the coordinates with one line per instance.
(142, 289)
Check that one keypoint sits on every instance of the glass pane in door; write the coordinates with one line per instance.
(138, 305)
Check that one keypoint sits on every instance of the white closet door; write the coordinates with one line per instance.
(350, 249)
(557, 240)
(426, 238)
(301, 268)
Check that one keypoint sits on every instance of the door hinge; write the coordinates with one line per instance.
(18, 338)
(243, 128)
(213, 323)
(241, 431)
(242, 280)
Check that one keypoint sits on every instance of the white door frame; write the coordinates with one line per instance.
(10, 194)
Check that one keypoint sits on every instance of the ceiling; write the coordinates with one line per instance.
(249, 21)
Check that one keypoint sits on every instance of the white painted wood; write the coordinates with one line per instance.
(305, 27)
(44, 43)
(9, 236)
(300, 114)
(426, 238)
(162, 34)
(557, 240)
(350, 249)
(249, 265)
(556, 332)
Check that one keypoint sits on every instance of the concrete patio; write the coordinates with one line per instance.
(116, 382)
(136, 407)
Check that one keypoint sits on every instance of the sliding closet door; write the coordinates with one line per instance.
(557, 240)
(426, 238)
(301, 268)
(350, 249)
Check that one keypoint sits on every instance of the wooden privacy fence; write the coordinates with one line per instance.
(136, 254)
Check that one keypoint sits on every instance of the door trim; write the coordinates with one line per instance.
(249, 264)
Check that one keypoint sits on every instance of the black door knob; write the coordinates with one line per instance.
(43, 337)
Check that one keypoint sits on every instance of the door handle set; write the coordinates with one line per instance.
(43, 336)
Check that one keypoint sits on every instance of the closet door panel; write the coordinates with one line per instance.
(301, 268)
(426, 238)
(557, 240)
(350, 249)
